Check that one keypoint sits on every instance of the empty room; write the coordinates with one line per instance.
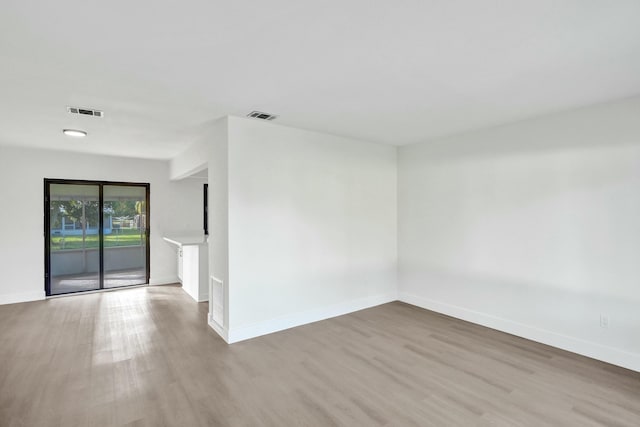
(339, 213)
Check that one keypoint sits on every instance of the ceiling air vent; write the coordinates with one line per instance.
(85, 111)
(262, 116)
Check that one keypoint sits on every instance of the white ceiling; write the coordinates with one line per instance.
(390, 71)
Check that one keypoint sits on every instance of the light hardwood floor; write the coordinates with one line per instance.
(145, 357)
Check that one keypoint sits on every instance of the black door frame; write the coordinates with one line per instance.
(100, 184)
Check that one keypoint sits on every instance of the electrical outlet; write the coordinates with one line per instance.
(604, 321)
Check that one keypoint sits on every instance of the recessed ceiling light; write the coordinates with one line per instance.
(74, 132)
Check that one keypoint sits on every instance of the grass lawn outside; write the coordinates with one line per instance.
(121, 237)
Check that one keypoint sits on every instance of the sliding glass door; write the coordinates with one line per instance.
(125, 241)
(74, 253)
(96, 235)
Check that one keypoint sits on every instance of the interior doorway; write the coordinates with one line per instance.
(96, 235)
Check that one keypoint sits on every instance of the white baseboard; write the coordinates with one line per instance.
(591, 349)
(196, 298)
(166, 280)
(22, 297)
(223, 332)
(302, 318)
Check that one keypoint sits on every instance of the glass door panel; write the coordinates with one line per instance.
(125, 235)
(74, 238)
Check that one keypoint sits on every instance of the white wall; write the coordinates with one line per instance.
(312, 226)
(531, 228)
(174, 206)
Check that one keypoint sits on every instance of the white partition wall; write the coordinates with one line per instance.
(311, 225)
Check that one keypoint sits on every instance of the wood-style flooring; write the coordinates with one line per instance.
(146, 357)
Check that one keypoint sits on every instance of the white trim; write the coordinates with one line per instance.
(223, 332)
(302, 318)
(22, 297)
(165, 280)
(203, 299)
(591, 349)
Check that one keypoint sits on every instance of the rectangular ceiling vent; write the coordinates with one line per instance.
(85, 111)
(262, 116)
